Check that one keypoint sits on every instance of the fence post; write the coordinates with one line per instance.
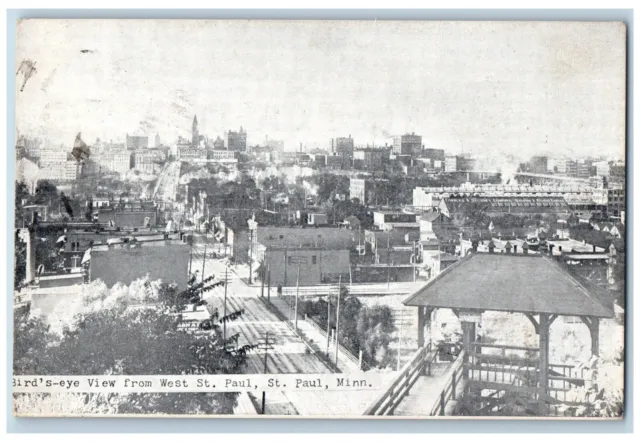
(360, 360)
(442, 403)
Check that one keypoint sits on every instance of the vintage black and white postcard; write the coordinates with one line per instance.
(338, 219)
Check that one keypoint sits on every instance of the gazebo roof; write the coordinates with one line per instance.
(512, 283)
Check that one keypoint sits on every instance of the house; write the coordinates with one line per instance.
(614, 229)
(390, 220)
(429, 219)
(130, 215)
(352, 222)
(317, 219)
(322, 254)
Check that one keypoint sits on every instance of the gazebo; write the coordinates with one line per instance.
(537, 286)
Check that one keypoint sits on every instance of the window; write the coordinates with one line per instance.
(313, 259)
(289, 260)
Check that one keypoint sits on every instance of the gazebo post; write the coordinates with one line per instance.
(595, 336)
(468, 338)
(421, 315)
(594, 330)
(544, 325)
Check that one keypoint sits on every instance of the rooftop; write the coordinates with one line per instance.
(509, 283)
(296, 237)
(510, 201)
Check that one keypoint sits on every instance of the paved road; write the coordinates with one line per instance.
(287, 352)
(167, 185)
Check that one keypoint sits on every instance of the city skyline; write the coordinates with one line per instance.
(477, 90)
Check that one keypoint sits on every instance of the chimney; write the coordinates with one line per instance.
(551, 250)
(594, 248)
(515, 248)
(492, 247)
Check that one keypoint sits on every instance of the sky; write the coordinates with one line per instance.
(488, 88)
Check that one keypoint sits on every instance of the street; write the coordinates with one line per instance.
(167, 185)
(287, 352)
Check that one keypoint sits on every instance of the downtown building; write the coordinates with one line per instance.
(236, 141)
(407, 144)
(370, 158)
(113, 161)
(134, 142)
(343, 146)
(62, 170)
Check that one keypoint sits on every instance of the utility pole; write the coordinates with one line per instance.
(266, 352)
(263, 276)
(224, 324)
(295, 313)
(190, 256)
(250, 253)
(268, 283)
(328, 322)
(338, 319)
(388, 262)
(204, 258)
(415, 260)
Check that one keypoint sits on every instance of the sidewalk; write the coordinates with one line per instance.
(314, 337)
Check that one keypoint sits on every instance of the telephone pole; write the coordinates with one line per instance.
(328, 322)
(250, 253)
(268, 283)
(204, 257)
(388, 262)
(266, 352)
(190, 256)
(338, 319)
(295, 314)
(224, 324)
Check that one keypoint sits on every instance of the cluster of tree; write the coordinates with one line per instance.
(242, 193)
(361, 328)
(122, 341)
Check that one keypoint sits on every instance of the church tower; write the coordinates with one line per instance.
(195, 140)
